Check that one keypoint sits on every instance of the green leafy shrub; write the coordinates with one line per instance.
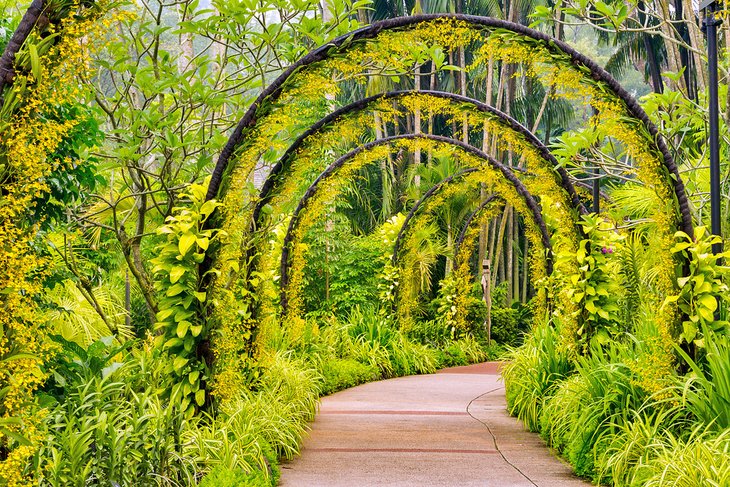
(342, 268)
(701, 459)
(452, 356)
(431, 332)
(505, 326)
(112, 426)
(180, 317)
(225, 477)
(460, 352)
(629, 442)
(340, 374)
(588, 405)
(700, 290)
(706, 393)
(593, 287)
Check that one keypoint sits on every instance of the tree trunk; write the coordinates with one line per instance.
(674, 60)
(516, 261)
(498, 261)
(417, 127)
(25, 27)
(186, 41)
(525, 268)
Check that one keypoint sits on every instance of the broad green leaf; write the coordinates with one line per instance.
(182, 329)
(200, 397)
(187, 240)
(179, 363)
(176, 273)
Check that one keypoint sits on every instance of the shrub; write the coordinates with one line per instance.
(631, 440)
(432, 332)
(699, 460)
(706, 393)
(112, 425)
(340, 374)
(452, 356)
(590, 405)
(225, 477)
(461, 352)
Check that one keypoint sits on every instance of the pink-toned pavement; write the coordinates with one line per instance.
(444, 429)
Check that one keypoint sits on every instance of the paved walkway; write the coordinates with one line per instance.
(446, 429)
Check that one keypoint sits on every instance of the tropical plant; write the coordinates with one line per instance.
(533, 371)
(180, 317)
(702, 288)
(706, 393)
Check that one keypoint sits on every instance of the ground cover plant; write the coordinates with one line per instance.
(186, 268)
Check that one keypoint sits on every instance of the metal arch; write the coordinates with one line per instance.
(470, 219)
(530, 201)
(274, 90)
(284, 161)
(417, 206)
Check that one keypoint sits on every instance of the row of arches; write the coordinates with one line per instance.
(312, 147)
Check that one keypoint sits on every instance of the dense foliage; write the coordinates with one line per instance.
(161, 327)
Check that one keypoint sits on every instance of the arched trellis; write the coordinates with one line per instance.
(509, 123)
(461, 272)
(273, 119)
(259, 109)
(544, 235)
(505, 172)
(419, 207)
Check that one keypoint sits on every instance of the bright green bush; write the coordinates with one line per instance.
(111, 425)
(628, 443)
(224, 477)
(340, 374)
(706, 393)
(431, 332)
(697, 461)
(589, 405)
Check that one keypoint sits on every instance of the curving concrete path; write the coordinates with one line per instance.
(445, 429)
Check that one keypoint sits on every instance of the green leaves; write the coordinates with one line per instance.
(186, 242)
(702, 287)
(593, 287)
(181, 320)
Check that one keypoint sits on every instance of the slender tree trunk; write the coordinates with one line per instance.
(674, 59)
(651, 58)
(525, 268)
(726, 30)
(509, 250)
(492, 244)
(432, 87)
(697, 43)
(516, 262)
(449, 245)
(483, 232)
(462, 87)
(186, 40)
(498, 260)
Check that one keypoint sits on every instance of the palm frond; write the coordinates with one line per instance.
(74, 318)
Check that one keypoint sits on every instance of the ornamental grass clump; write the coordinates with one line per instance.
(532, 372)
(590, 404)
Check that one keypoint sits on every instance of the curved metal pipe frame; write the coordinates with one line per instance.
(257, 109)
(288, 157)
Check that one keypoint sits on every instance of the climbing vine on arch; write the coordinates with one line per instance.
(393, 48)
